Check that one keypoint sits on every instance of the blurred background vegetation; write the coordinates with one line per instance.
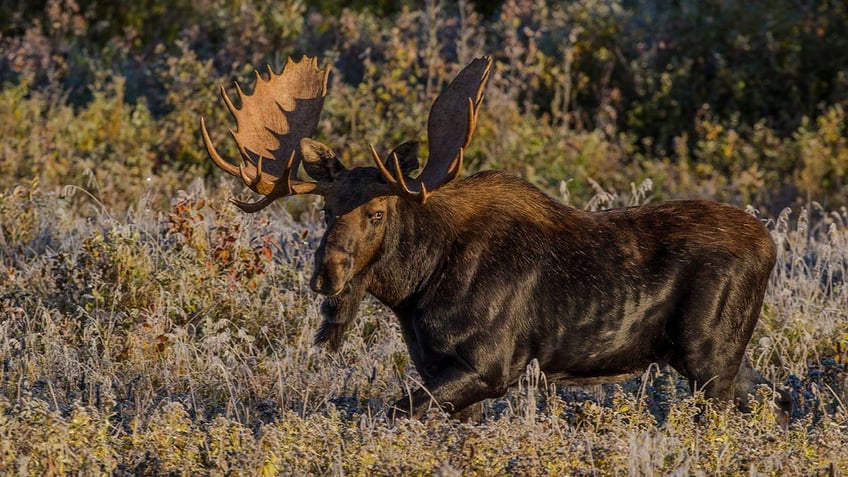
(741, 102)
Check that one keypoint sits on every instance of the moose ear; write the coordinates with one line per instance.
(407, 154)
(319, 160)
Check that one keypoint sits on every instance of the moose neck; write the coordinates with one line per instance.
(423, 239)
(411, 251)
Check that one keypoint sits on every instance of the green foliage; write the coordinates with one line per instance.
(743, 103)
(37, 440)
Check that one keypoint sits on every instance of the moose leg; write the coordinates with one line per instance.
(708, 363)
(737, 311)
(710, 339)
(713, 334)
(748, 380)
(472, 413)
(713, 382)
(710, 373)
(454, 390)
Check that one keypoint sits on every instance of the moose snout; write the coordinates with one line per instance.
(319, 284)
(329, 276)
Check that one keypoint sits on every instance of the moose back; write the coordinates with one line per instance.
(487, 273)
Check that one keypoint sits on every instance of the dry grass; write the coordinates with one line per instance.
(180, 342)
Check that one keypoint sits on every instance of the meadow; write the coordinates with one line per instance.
(179, 341)
(151, 328)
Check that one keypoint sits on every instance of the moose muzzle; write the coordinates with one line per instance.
(330, 274)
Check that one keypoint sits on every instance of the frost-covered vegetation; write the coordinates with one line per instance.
(149, 327)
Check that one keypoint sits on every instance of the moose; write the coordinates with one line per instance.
(486, 273)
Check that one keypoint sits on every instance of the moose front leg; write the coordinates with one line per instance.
(455, 390)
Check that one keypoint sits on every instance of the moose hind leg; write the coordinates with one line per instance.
(710, 363)
(713, 328)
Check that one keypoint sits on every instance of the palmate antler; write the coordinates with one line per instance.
(270, 124)
(450, 127)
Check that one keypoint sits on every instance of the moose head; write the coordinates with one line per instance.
(283, 112)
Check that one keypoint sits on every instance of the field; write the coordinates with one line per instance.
(180, 341)
(148, 327)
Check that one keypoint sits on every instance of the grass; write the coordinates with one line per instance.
(179, 341)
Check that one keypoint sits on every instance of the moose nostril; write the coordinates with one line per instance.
(316, 283)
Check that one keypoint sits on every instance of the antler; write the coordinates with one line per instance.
(270, 124)
(395, 180)
(450, 128)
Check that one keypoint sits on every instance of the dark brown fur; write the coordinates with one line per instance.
(491, 273)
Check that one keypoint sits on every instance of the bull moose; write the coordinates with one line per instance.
(486, 273)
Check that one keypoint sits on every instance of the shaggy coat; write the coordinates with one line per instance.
(488, 273)
(491, 273)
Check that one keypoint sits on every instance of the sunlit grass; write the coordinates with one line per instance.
(181, 341)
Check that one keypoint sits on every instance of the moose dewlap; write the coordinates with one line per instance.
(487, 273)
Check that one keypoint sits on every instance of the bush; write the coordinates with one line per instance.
(702, 94)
